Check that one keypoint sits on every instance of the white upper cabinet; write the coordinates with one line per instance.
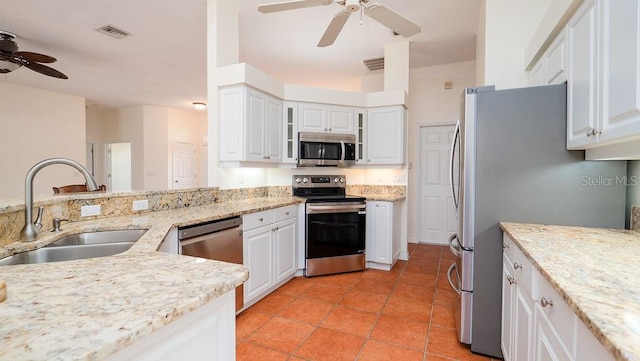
(290, 152)
(603, 88)
(552, 66)
(250, 126)
(620, 66)
(385, 131)
(582, 77)
(322, 118)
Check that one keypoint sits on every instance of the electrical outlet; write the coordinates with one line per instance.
(86, 211)
(140, 205)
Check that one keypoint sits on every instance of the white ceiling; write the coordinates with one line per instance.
(164, 61)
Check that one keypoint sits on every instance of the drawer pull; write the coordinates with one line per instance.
(544, 302)
(511, 280)
(286, 213)
(516, 265)
(261, 219)
(505, 246)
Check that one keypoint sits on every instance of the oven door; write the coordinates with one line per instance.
(335, 229)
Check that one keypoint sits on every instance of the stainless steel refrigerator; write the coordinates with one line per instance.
(509, 162)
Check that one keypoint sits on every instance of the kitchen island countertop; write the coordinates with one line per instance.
(597, 273)
(89, 309)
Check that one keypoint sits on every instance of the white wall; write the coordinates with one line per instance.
(509, 27)
(38, 124)
(430, 103)
(156, 148)
(126, 125)
(187, 127)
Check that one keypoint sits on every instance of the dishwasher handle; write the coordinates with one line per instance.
(207, 228)
(213, 236)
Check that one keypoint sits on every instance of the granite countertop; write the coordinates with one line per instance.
(597, 273)
(380, 196)
(88, 309)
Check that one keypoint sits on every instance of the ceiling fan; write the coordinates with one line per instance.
(399, 24)
(12, 59)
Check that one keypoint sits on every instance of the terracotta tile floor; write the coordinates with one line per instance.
(404, 314)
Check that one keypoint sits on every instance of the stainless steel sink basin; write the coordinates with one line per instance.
(79, 246)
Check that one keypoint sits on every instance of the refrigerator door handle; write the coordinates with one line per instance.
(452, 268)
(454, 141)
(454, 245)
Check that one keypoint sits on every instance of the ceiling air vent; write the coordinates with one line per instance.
(113, 32)
(374, 64)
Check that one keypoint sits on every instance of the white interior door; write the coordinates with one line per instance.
(119, 167)
(184, 165)
(437, 217)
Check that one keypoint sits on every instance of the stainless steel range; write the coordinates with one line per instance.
(335, 225)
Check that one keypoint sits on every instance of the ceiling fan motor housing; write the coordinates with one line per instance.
(352, 5)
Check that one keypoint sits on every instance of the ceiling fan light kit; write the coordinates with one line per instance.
(385, 16)
(11, 59)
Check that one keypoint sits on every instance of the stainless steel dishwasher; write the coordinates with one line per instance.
(218, 240)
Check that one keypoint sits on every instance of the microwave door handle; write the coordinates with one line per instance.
(456, 133)
(343, 151)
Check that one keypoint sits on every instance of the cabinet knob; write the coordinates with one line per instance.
(511, 280)
(505, 246)
(544, 302)
(261, 219)
(516, 265)
(286, 213)
(593, 132)
(273, 229)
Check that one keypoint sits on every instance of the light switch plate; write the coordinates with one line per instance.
(86, 211)
(140, 205)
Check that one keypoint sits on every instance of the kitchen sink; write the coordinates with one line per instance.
(79, 246)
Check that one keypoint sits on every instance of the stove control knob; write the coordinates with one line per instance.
(305, 180)
(298, 180)
(335, 180)
(341, 180)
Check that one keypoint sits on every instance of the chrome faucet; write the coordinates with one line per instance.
(30, 230)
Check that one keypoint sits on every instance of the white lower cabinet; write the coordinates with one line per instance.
(269, 251)
(206, 333)
(382, 234)
(536, 322)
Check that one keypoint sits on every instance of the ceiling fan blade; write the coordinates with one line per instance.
(43, 69)
(35, 57)
(334, 28)
(291, 5)
(392, 20)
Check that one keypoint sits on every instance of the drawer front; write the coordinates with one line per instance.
(280, 214)
(258, 219)
(519, 263)
(559, 314)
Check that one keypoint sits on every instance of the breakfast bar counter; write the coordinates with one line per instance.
(91, 308)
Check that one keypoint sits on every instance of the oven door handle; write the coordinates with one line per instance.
(334, 208)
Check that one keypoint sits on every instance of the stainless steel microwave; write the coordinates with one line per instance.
(323, 149)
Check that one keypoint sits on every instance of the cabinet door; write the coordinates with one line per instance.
(258, 257)
(255, 120)
(582, 76)
(556, 61)
(380, 221)
(231, 123)
(522, 324)
(285, 249)
(290, 153)
(620, 70)
(385, 135)
(340, 119)
(508, 292)
(273, 130)
(538, 74)
(312, 117)
(361, 134)
(548, 347)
